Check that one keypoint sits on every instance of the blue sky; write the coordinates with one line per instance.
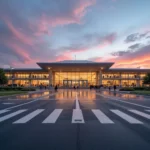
(99, 30)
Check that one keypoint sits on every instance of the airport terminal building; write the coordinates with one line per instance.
(82, 73)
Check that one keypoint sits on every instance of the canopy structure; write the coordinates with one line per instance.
(75, 65)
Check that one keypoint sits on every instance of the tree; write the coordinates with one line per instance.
(147, 79)
(3, 78)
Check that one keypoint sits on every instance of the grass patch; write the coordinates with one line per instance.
(142, 92)
(5, 93)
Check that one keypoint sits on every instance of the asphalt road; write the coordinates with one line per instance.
(76, 120)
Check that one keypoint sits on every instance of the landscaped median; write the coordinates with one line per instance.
(4, 91)
(137, 90)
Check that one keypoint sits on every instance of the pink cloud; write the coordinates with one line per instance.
(18, 34)
(65, 56)
(130, 60)
(81, 9)
(47, 22)
(107, 40)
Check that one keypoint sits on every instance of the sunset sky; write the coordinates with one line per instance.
(53, 30)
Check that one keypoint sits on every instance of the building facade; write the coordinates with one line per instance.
(80, 73)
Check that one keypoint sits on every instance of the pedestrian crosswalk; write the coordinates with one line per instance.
(77, 116)
(29, 116)
(52, 118)
(126, 117)
(101, 116)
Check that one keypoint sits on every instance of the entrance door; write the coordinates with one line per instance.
(72, 83)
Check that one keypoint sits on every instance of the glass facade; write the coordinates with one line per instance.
(70, 79)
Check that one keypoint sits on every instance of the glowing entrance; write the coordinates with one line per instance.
(71, 83)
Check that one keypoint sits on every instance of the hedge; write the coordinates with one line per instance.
(135, 89)
(16, 89)
(127, 89)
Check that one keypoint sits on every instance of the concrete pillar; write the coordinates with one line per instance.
(120, 80)
(30, 80)
(97, 78)
(100, 77)
(50, 77)
(53, 78)
(138, 83)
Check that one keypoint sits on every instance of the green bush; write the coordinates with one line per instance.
(28, 89)
(16, 89)
(139, 88)
(147, 88)
(127, 89)
(5, 88)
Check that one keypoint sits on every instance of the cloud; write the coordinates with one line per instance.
(134, 46)
(120, 53)
(133, 59)
(87, 42)
(136, 37)
(131, 49)
(108, 40)
(148, 37)
(60, 13)
(26, 39)
(25, 28)
(97, 59)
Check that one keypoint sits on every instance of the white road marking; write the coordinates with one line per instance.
(77, 116)
(102, 117)
(147, 116)
(126, 117)
(52, 118)
(77, 103)
(30, 101)
(3, 111)
(12, 115)
(7, 103)
(22, 104)
(148, 110)
(115, 99)
(29, 116)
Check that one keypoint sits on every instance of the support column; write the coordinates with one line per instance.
(97, 78)
(138, 83)
(100, 77)
(138, 80)
(53, 78)
(120, 80)
(50, 77)
(30, 80)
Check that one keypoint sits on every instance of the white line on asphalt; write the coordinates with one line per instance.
(126, 117)
(114, 99)
(77, 103)
(147, 116)
(77, 116)
(22, 104)
(28, 102)
(148, 110)
(12, 115)
(29, 116)
(3, 111)
(52, 118)
(7, 103)
(102, 117)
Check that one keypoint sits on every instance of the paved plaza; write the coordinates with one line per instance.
(80, 119)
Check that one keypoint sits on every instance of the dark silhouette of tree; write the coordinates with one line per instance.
(3, 78)
(147, 79)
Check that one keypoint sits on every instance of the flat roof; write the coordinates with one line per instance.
(76, 65)
(81, 65)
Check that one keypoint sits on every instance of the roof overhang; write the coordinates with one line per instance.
(94, 66)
